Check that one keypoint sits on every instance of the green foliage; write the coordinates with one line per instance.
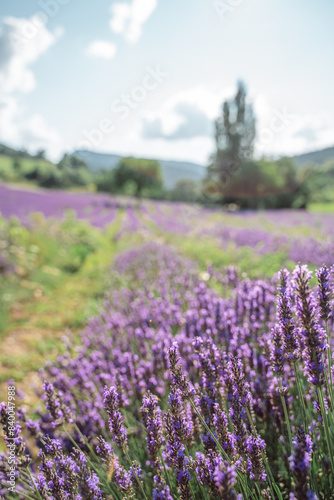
(267, 184)
(235, 134)
(104, 181)
(142, 173)
(320, 183)
(16, 166)
(61, 270)
(185, 190)
(234, 177)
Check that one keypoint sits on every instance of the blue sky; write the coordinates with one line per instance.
(147, 77)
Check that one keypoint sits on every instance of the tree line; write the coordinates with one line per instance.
(234, 176)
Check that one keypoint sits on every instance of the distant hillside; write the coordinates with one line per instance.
(98, 161)
(172, 171)
(20, 166)
(314, 157)
(14, 153)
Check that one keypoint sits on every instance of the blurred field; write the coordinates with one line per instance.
(88, 276)
(321, 207)
(58, 248)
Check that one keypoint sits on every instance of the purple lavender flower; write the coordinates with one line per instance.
(300, 463)
(50, 480)
(285, 317)
(225, 438)
(34, 428)
(324, 292)
(13, 436)
(313, 335)
(117, 429)
(215, 473)
(240, 386)
(124, 480)
(161, 492)
(151, 415)
(238, 399)
(42, 486)
(105, 450)
(58, 411)
(177, 433)
(254, 448)
(276, 355)
(66, 477)
(178, 378)
(225, 478)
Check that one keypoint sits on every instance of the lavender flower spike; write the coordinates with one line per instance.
(255, 445)
(300, 463)
(313, 335)
(55, 406)
(151, 415)
(276, 356)
(285, 319)
(324, 292)
(178, 378)
(225, 478)
(117, 429)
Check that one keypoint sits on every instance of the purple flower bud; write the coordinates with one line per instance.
(285, 317)
(276, 355)
(58, 411)
(300, 463)
(151, 415)
(225, 478)
(254, 447)
(117, 429)
(324, 292)
(313, 335)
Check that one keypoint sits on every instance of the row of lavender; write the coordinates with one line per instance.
(98, 209)
(202, 396)
(266, 233)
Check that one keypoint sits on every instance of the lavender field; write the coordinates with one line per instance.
(164, 350)
(299, 235)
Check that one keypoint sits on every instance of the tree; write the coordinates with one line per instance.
(143, 173)
(234, 137)
(73, 171)
(16, 164)
(77, 162)
(40, 154)
(268, 184)
(185, 190)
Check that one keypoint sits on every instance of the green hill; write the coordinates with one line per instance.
(17, 165)
(315, 157)
(172, 171)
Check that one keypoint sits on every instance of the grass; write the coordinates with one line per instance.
(55, 295)
(11, 174)
(321, 208)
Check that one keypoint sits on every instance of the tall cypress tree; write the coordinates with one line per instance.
(234, 136)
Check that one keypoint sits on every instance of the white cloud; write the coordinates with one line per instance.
(22, 42)
(128, 18)
(282, 130)
(101, 49)
(205, 99)
(32, 131)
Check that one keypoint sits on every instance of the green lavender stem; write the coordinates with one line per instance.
(286, 415)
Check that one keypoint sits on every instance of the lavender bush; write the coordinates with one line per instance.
(178, 392)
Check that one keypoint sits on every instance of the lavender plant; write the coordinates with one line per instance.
(178, 392)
